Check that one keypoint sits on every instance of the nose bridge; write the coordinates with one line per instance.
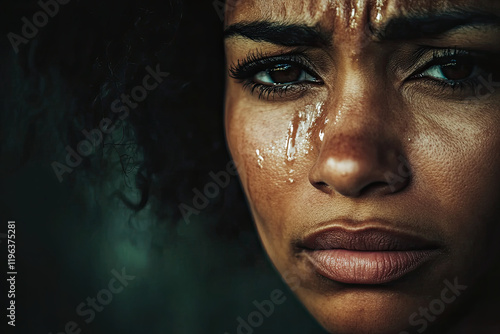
(361, 145)
(359, 110)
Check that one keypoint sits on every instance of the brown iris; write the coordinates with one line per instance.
(458, 69)
(284, 73)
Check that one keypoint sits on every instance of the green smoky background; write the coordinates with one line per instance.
(105, 245)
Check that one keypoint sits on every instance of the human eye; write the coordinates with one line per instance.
(272, 77)
(462, 71)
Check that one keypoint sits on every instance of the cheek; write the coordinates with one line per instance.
(456, 162)
(459, 159)
(274, 150)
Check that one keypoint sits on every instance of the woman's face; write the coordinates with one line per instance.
(367, 139)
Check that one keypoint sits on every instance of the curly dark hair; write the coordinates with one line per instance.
(87, 58)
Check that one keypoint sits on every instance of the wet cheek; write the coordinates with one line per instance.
(276, 149)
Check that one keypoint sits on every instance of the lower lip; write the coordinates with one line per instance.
(367, 267)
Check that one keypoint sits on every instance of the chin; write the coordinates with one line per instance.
(373, 312)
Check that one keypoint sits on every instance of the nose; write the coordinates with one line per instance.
(361, 154)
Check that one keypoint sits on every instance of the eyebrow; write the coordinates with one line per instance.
(422, 26)
(280, 33)
(398, 28)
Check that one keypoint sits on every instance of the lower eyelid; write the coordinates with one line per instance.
(283, 92)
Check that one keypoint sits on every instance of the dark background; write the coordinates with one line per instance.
(120, 207)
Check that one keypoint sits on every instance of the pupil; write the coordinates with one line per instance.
(458, 70)
(284, 74)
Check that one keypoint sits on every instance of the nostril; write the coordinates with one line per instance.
(375, 187)
(321, 184)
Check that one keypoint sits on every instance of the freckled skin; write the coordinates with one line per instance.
(376, 120)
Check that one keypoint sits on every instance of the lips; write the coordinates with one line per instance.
(366, 256)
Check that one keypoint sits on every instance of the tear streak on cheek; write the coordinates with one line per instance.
(304, 131)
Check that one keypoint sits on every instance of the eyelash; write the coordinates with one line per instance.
(442, 57)
(245, 71)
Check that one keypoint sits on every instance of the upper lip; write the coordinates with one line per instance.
(365, 238)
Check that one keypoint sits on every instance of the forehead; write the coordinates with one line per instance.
(347, 13)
